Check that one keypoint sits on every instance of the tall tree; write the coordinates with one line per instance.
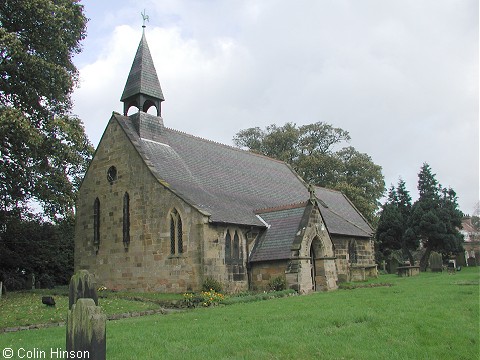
(435, 218)
(44, 149)
(393, 232)
(315, 152)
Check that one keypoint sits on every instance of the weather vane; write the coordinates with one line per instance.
(145, 18)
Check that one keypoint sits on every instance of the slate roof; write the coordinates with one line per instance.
(223, 181)
(340, 215)
(227, 183)
(142, 78)
(275, 243)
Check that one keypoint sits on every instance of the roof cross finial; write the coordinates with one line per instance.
(311, 190)
(145, 18)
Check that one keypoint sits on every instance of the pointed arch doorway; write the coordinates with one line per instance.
(315, 255)
(313, 270)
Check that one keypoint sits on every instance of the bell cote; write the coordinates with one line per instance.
(142, 89)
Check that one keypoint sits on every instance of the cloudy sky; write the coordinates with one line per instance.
(401, 76)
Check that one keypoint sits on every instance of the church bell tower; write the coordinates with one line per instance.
(142, 89)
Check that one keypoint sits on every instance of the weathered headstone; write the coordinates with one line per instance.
(86, 330)
(436, 262)
(30, 283)
(86, 323)
(82, 285)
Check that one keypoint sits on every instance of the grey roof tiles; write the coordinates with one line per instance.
(275, 243)
(227, 183)
(142, 78)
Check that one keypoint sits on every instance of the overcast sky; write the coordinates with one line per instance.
(401, 76)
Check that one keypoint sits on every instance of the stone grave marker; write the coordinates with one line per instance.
(82, 285)
(86, 322)
(436, 262)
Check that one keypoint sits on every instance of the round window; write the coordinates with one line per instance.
(112, 174)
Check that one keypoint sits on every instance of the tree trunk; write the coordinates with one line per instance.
(425, 258)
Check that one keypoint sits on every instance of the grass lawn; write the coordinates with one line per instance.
(430, 316)
(26, 308)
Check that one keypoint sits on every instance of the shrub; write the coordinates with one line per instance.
(211, 298)
(46, 281)
(13, 281)
(278, 283)
(191, 300)
(212, 284)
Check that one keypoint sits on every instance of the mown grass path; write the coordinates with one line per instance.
(431, 316)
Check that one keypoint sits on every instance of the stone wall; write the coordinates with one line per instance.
(146, 264)
(232, 275)
(263, 272)
(351, 269)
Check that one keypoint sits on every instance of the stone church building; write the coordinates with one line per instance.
(162, 210)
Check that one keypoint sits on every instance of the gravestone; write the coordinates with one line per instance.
(86, 322)
(86, 330)
(82, 285)
(1, 289)
(436, 262)
(30, 283)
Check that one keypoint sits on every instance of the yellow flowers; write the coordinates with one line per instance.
(205, 298)
(212, 297)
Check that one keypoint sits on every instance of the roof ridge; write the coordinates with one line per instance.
(231, 147)
(281, 207)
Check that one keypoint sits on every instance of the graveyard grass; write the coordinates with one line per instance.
(430, 316)
(25, 308)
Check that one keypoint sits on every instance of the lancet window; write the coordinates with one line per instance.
(176, 233)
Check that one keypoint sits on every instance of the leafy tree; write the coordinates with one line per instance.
(435, 217)
(360, 179)
(36, 247)
(44, 151)
(393, 232)
(314, 152)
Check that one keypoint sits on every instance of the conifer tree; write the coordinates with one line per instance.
(393, 232)
(435, 218)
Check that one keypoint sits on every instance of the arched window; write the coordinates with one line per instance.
(126, 220)
(176, 233)
(96, 224)
(228, 247)
(352, 252)
(233, 249)
(179, 235)
(236, 247)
